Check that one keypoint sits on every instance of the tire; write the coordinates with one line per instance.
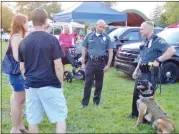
(169, 73)
(83, 73)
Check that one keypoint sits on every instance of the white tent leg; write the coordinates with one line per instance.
(53, 27)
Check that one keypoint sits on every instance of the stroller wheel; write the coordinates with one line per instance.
(78, 74)
(68, 76)
(83, 73)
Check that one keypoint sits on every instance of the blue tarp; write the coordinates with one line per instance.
(90, 12)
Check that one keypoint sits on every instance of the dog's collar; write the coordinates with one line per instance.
(147, 94)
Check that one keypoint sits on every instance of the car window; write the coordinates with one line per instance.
(156, 31)
(170, 36)
(118, 32)
(133, 36)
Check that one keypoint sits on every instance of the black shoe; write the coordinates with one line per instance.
(83, 106)
(131, 116)
(96, 104)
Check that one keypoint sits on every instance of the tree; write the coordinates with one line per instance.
(171, 13)
(27, 7)
(109, 3)
(156, 14)
(7, 16)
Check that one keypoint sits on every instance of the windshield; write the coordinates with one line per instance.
(170, 36)
(118, 32)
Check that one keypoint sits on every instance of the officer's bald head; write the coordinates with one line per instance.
(100, 22)
(147, 28)
(100, 26)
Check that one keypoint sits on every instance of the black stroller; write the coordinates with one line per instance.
(74, 58)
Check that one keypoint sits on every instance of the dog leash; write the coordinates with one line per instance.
(154, 77)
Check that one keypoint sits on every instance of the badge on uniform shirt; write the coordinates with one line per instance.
(162, 41)
(150, 43)
(104, 38)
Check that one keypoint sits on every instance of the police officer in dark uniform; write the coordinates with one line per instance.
(94, 51)
(154, 49)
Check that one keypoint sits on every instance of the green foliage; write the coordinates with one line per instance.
(7, 16)
(27, 7)
(171, 13)
(109, 3)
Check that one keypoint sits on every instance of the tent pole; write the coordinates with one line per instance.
(71, 26)
(53, 27)
(126, 23)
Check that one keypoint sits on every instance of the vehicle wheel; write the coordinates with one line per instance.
(68, 76)
(169, 73)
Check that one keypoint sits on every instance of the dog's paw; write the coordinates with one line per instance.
(137, 123)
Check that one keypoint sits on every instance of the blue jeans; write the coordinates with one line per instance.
(94, 71)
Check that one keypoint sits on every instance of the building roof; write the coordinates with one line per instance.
(134, 18)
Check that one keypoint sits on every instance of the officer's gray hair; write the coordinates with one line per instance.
(151, 23)
(101, 21)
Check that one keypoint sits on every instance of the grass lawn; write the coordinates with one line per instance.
(110, 117)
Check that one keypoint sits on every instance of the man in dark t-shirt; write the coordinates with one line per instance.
(40, 62)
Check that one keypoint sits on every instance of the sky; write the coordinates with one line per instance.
(144, 7)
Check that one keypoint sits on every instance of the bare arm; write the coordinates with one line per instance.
(138, 65)
(110, 57)
(168, 54)
(22, 69)
(15, 44)
(59, 70)
(84, 52)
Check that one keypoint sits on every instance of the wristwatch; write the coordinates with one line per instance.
(158, 61)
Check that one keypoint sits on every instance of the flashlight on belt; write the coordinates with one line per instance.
(150, 64)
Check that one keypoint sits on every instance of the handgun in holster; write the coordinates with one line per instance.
(144, 68)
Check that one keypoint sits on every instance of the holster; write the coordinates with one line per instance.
(145, 68)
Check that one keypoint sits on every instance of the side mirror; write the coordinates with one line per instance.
(115, 37)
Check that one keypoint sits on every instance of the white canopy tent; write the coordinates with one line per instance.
(59, 24)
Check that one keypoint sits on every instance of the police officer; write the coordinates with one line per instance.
(94, 51)
(155, 50)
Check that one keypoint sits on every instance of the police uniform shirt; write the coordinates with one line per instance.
(97, 44)
(153, 48)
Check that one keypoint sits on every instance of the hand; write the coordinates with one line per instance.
(62, 85)
(155, 64)
(83, 67)
(134, 75)
(106, 68)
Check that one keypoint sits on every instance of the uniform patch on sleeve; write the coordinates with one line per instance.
(162, 41)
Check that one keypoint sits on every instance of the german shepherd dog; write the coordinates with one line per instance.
(150, 110)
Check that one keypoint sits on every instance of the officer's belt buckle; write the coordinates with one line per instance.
(94, 58)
